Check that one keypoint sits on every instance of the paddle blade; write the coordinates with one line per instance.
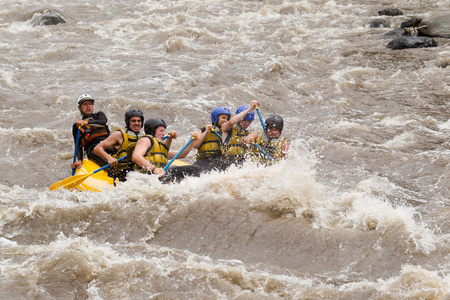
(70, 182)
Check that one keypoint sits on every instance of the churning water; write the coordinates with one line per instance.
(359, 210)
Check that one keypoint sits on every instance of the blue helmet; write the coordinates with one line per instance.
(219, 111)
(250, 116)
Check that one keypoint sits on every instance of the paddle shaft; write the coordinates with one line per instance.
(261, 120)
(108, 165)
(178, 154)
(75, 180)
(217, 134)
(264, 152)
(76, 149)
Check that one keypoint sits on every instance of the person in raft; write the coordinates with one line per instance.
(123, 142)
(152, 154)
(93, 129)
(235, 130)
(209, 144)
(271, 141)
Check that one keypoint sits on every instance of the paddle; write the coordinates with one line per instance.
(212, 129)
(73, 181)
(76, 150)
(264, 152)
(178, 154)
(260, 119)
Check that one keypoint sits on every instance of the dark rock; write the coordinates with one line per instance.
(405, 42)
(397, 32)
(413, 22)
(437, 25)
(378, 24)
(47, 17)
(444, 65)
(390, 12)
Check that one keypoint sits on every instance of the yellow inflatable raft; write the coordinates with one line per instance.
(90, 179)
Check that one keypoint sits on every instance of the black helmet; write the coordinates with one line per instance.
(153, 123)
(276, 121)
(133, 112)
(85, 97)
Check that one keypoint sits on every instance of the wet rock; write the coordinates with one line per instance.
(390, 12)
(437, 25)
(47, 17)
(405, 42)
(413, 22)
(378, 24)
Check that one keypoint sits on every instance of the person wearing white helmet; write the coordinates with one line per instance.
(93, 129)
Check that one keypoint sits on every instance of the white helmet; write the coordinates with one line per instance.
(85, 97)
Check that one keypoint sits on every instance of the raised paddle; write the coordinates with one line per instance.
(178, 154)
(212, 129)
(264, 152)
(261, 120)
(75, 180)
(76, 149)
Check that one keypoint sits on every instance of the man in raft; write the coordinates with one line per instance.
(123, 142)
(271, 141)
(209, 144)
(152, 154)
(93, 129)
(234, 130)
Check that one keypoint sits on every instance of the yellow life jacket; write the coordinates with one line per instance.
(270, 146)
(211, 146)
(157, 155)
(232, 149)
(130, 139)
(88, 133)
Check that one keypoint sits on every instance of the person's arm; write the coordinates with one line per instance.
(142, 146)
(237, 118)
(249, 139)
(285, 149)
(79, 161)
(201, 136)
(99, 119)
(172, 135)
(186, 151)
(113, 140)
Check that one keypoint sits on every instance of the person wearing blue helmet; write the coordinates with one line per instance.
(209, 142)
(235, 130)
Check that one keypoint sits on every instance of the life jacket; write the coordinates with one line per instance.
(90, 135)
(232, 149)
(157, 155)
(211, 146)
(130, 139)
(270, 146)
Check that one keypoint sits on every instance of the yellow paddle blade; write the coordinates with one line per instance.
(70, 182)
